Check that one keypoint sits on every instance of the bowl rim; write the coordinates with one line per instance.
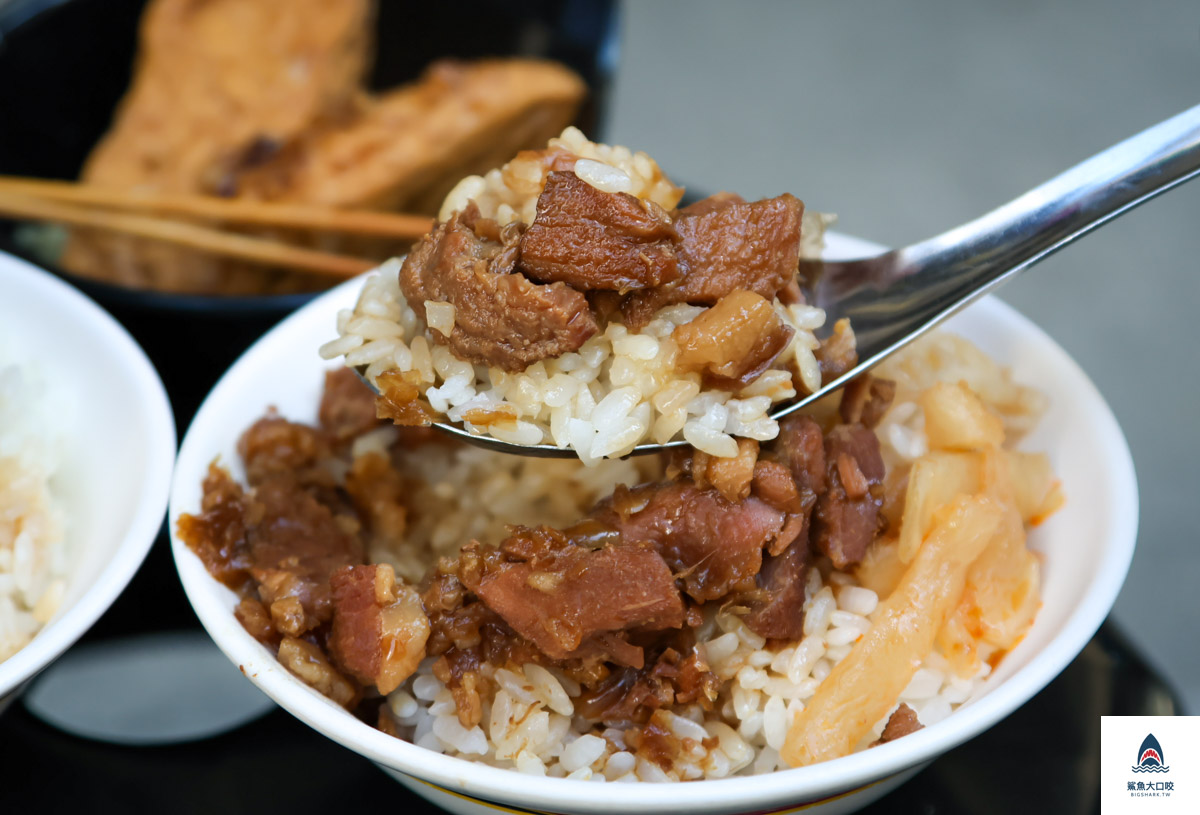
(461, 776)
(72, 622)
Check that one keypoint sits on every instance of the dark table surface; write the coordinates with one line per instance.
(263, 766)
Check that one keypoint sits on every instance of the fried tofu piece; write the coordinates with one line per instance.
(264, 99)
(215, 77)
(216, 81)
(410, 146)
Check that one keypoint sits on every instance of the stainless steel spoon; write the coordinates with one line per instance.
(898, 296)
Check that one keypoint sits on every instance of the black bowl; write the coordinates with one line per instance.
(64, 65)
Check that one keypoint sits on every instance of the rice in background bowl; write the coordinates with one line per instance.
(1087, 553)
(108, 423)
(33, 554)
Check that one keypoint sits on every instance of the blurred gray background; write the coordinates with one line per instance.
(907, 119)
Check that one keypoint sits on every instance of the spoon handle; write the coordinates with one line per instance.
(1052, 215)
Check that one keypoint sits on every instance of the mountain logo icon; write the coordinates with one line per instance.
(1150, 757)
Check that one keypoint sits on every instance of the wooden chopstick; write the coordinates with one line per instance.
(229, 210)
(254, 250)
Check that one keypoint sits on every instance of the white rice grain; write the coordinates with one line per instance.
(603, 177)
(857, 600)
(548, 690)
(440, 317)
(454, 735)
(582, 752)
(925, 684)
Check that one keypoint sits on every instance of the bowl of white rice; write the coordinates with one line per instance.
(87, 442)
(1084, 550)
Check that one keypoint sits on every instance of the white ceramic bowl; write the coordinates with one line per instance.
(119, 451)
(1087, 546)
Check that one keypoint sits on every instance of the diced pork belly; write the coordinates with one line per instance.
(632, 694)
(714, 202)
(501, 318)
(791, 475)
(713, 545)
(801, 446)
(279, 541)
(725, 246)
(902, 722)
(733, 342)
(379, 627)
(378, 493)
(295, 546)
(255, 618)
(777, 604)
(273, 446)
(592, 239)
(347, 406)
(564, 597)
(732, 477)
(754, 246)
(866, 399)
(837, 353)
(312, 666)
(773, 483)
(218, 533)
(848, 512)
